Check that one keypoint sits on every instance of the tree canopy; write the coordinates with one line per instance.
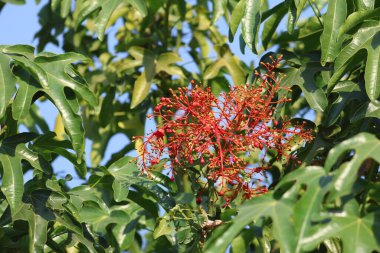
(279, 180)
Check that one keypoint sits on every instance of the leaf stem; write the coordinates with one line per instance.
(316, 12)
(166, 26)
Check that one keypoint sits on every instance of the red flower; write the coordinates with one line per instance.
(219, 133)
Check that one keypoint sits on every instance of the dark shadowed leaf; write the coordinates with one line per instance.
(272, 23)
(368, 109)
(37, 227)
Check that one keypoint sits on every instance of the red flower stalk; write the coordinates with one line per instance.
(219, 133)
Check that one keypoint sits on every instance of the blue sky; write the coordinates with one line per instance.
(19, 23)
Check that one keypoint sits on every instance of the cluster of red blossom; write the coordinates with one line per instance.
(218, 133)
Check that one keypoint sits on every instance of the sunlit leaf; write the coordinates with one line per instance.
(304, 78)
(365, 146)
(358, 233)
(107, 7)
(250, 23)
(333, 20)
(12, 151)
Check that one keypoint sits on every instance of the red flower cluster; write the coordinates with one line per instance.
(218, 134)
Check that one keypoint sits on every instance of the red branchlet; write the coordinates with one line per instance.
(221, 132)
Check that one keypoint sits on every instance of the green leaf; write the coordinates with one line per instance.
(348, 91)
(218, 9)
(141, 89)
(126, 173)
(124, 234)
(60, 75)
(264, 206)
(163, 227)
(80, 194)
(213, 69)
(7, 84)
(333, 20)
(23, 56)
(20, 2)
(236, 16)
(38, 227)
(23, 100)
(164, 180)
(84, 9)
(144, 81)
(294, 12)
(362, 39)
(372, 69)
(48, 143)
(300, 5)
(357, 18)
(62, 5)
(143, 199)
(317, 182)
(99, 145)
(107, 8)
(34, 121)
(358, 233)
(365, 146)
(318, 146)
(203, 43)
(12, 151)
(140, 5)
(61, 83)
(241, 243)
(55, 4)
(76, 228)
(65, 8)
(374, 192)
(28, 85)
(365, 4)
(368, 109)
(272, 23)
(333, 245)
(228, 61)
(304, 78)
(107, 108)
(100, 218)
(12, 180)
(165, 63)
(251, 23)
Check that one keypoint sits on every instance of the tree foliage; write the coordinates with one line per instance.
(328, 202)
